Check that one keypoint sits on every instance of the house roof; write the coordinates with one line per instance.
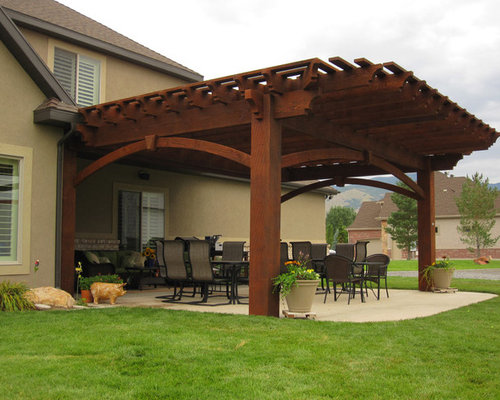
(367, 216)
(446, 187)
(55, 19)
(30, 60)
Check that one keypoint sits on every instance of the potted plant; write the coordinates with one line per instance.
(298, 285)
(150, 255)
(85, 282)
(439, 273)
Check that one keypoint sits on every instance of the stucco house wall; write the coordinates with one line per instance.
(36, 145)
(195, 206)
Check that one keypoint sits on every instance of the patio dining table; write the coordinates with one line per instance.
(233, 268)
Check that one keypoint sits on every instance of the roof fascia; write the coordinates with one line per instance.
(34, 66)
(99, 45)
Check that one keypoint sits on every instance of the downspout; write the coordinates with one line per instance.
(59, 188)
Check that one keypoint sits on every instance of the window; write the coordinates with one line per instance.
(141, 217)
(9, 209)
(79, 75)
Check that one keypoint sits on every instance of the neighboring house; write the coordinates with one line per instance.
(54, 60)
(371, 221)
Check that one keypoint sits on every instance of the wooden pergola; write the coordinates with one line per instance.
(333, 122)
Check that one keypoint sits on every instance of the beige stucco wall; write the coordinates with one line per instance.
(20, 96)
(119, 78)
(195, 206)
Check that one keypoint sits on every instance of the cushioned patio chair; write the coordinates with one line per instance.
(170, 255)
(338, 270)
(375, 273)
(202, 273)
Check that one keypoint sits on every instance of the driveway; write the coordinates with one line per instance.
(490, 274)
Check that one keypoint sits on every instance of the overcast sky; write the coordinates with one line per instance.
(452, 44)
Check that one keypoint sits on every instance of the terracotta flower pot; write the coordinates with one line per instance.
(441, 277)
(300, 298)
(87, 296)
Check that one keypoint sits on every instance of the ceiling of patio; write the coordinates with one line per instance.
(338, 120)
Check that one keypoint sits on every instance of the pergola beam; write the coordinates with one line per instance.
(326, 130)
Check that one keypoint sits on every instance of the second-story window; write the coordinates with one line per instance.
(79, 75)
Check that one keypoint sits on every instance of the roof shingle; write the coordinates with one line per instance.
(58, 14)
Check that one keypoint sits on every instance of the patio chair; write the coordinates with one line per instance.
(338, 269)
(232, 251)
(361, 251)
(318, 254)
(303, 248)
(170, 255)
(201, 268)
(345, 250)
(375, 273)
(283, 257)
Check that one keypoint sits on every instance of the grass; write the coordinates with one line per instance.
(160, 354)
(412, 265)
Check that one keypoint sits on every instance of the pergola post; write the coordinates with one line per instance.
(265, 192)
(426, 225)
(68, 222)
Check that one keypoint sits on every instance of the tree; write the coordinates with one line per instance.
(476, 206)
(402, 225)
(337, 221)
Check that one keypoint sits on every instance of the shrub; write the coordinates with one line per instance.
(12, 297)
(86, 282)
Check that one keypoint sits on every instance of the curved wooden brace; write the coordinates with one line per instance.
(386, 166)
(290, 160)
(153, 143)
(237, 156)
(351, 181)
(108, 159)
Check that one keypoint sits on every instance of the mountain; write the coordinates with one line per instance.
(353, 195)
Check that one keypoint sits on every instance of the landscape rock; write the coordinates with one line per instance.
(51, 297)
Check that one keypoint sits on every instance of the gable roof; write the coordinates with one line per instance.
(367, 216)
(30, 60)
(55, 19)
(446, 188)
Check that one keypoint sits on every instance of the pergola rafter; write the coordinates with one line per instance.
(302, 121)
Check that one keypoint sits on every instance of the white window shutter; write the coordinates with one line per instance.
(153, 216)
(88, 81)
(65, 70)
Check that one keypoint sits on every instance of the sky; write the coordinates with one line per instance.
(454, 45)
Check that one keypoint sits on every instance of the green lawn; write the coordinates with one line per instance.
(412, 265)
(159, 354)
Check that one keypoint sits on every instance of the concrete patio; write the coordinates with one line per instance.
(401, 305)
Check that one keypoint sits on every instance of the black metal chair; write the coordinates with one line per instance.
(338, 270)
(376, 272)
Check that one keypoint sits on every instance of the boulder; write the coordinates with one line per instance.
(51, 296)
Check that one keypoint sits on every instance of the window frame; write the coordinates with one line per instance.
(24, 156)
(117, 187)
